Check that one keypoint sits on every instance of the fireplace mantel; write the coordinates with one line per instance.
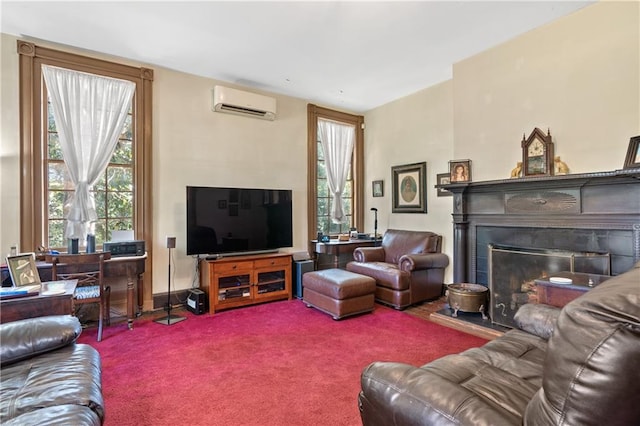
(583, 212)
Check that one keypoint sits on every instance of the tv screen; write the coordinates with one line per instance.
(237, 220)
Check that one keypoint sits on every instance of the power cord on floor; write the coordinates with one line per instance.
(195, 280)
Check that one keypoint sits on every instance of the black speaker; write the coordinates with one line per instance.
(300, 267)
(197, 301)
(171, 242)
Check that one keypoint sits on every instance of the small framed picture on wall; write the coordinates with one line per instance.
(378, 188)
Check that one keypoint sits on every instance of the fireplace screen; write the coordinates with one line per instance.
(513, 271)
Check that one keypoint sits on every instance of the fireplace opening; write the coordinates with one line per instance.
(513, 271)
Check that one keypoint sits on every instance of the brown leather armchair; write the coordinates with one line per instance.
(408, 267)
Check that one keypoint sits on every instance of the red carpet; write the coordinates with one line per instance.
(272, 364)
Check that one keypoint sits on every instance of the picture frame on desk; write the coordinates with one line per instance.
(23, 270)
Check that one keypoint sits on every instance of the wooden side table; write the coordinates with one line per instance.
(560, 294)
(339, 253)
(55, 298)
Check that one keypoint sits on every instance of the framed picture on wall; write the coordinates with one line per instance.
(633, 153)
(378, 188)
(409, 183)
(460, 170)
(443, 179)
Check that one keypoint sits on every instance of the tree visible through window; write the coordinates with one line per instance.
(323, 214)
(113, 193)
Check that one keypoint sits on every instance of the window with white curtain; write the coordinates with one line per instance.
(123, 192)
(320, 200)
(326, 201)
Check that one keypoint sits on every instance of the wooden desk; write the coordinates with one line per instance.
(560, 294)
(131, 267)
(338, 252)
(39, 305)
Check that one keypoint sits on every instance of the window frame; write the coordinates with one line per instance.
(33, 212)
(315, 112)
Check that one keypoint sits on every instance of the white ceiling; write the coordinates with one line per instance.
(352, 55)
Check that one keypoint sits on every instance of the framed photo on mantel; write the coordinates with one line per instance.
(460, 171)
(444, 179)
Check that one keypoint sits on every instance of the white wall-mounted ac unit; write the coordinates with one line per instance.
(234, 101)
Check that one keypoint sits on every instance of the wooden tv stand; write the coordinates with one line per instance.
(246, 280)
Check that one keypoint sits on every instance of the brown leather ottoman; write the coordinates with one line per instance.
(338, 292)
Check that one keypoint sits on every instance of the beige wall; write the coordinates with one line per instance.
(413, 129)
(195, 146)
(578, 76)
(192, 145)
(9, 148)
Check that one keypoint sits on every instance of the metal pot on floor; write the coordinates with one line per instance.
(467, 297)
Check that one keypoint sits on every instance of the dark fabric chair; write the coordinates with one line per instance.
(88, 269)
(408, 267)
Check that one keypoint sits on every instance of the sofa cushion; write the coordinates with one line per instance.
(339, 284)
(68, 376)
(75, 415)
(489, 385)
(30, 337)
(594, 355)
(385, 274)
(537, 319)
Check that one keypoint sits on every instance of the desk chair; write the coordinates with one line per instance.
(88, 269)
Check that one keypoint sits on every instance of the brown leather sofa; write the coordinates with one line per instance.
(575, 366)
(408, 267)
(47, 378)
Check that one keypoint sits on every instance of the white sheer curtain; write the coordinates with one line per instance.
(89, 111)
(337, 143)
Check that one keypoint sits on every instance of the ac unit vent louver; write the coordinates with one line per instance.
(239, 102)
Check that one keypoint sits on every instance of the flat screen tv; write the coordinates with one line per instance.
(238, 220)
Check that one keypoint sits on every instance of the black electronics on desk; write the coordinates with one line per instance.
(124, 248)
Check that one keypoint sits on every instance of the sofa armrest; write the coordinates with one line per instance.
(537, 318)
(30, 337)
(368, 254)
(412, 262)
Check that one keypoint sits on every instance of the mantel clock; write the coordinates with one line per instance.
(537, 154)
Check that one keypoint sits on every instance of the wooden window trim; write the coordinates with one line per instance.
(315, 112)
(32, 210)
